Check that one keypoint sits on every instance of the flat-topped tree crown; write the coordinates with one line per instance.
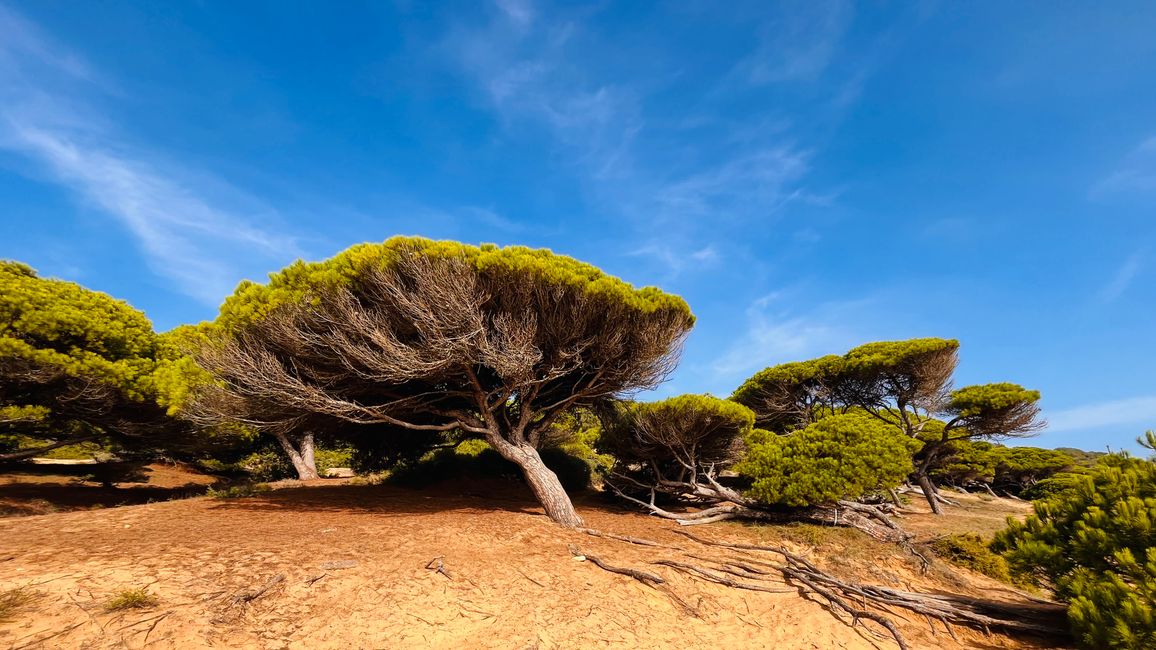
(995, 410)
(913, 374)
(434, 336)
(792, 395)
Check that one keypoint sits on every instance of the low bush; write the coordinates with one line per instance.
(238, 491)
(838, 457)
(973, 552)
(476, 459)
(132, 599)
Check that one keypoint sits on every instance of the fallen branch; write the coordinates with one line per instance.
(438, 565)
(254, 594)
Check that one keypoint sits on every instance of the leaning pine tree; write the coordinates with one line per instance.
(440, 336)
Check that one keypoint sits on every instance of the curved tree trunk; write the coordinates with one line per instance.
(543, 483)
(302, 458)
(929, 492)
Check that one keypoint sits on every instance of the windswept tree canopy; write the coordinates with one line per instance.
(899, 381)
(838, 457)
(792, 395)
(906, 384)
(677, 436)
(75, 365)
(435, 336)
(994, 410)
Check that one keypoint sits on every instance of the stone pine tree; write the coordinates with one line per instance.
(431, 336)
(1096, 544)
(985, 412)
(791, 396)
(903, 384)
(675, 446)
(75, 366)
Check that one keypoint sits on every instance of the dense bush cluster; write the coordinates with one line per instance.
(838, 457)
(1095, 543)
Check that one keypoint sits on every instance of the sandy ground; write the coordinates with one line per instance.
(56, 487)
(512, 581)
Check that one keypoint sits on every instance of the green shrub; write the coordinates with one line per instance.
(1096, 544)
(238, 491)
(132, 599)
(971, 551)
(838, 457)
(476, 459)
(268, 462)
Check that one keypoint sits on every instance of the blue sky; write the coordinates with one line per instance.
(809, 176)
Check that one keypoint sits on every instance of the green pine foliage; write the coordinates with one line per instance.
(678, 432)
(1014, 470)
(75, 364)
(300, 281)
(1096, 544)
(838, 457)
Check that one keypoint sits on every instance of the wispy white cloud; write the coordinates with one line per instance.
(1134, 411)
(198, 232)
(491, 219)
(534, 70)
(530, 77)
(763, 182)
(519, 12)
(775, 333)
(185, 238)
(1136, 173)
(678, 258)
(1123, 277)
(799, 44)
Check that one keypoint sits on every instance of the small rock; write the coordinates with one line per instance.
(339, 472)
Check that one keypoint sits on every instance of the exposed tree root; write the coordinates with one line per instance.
(746, 570)
(254, 594)
(948, 608)
(649, 579)
(867, 518)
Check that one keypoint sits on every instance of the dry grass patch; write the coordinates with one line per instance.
(13, 600)
(132, 599)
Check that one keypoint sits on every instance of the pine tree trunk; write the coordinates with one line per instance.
(302, 459)
(929, 492)
(543, 483)
(307, 453)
